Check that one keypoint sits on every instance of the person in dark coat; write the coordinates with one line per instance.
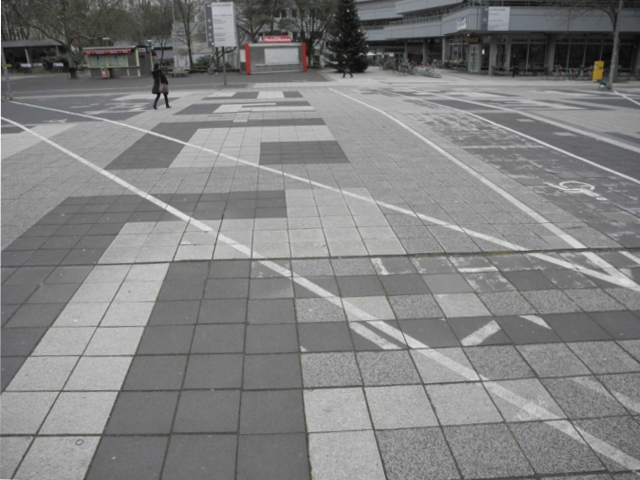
(346, 66)
(159, 78)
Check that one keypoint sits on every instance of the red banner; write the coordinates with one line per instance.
(276, 39)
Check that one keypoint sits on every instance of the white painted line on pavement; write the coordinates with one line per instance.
(543, 120)
(619, 280)
(597, 387)
(480, 335)
(630, 256)
(537, 320)
(526, 405)
(619, 277)
(628, 98)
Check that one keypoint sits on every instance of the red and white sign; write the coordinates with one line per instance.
(107, 52)
(276, 38)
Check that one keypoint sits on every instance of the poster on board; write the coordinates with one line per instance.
(220, 24)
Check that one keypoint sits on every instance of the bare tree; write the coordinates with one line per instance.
(310, 19)
(151, 20)
(252, 17)
(188, 14)
(73, 23)
(612, 8)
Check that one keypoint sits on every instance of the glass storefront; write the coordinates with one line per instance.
(577, 52)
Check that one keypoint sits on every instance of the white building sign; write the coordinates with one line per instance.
(221, 24)
(499, 19)
(461, 23)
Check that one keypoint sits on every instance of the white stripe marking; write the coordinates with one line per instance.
(379, 266)
(623, 282)
(630, 256)
(480, 335)
(598, 445)
(537, 320)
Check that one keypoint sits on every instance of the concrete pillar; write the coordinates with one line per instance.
(445, 49)
(551, 53)
(26, 52)
(406, 51)
(508, 54)
(493, 53)
(57, 51)
(635, 65)
(424, 51)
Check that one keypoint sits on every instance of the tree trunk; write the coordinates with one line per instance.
(73, 71)
(616, 46)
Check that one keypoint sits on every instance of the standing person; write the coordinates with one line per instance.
(347, 66)
(160, 86)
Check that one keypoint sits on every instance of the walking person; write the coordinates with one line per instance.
(346, 66)
(160, 86)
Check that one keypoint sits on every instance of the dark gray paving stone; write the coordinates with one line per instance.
(404, 284)
(200, 457)
(179, 312)
(507, 303)
(604, 357)
(230, 269)
(273, 457)
(529, 280)
(511, 262)
(69, 275)
(387, 368)
(487, 451)
(60, 242)
(166, 340)
(360, 286)
(18, 342)
(327, 283)
(6, 273)
(272, 371)
(275, 311)
(36, 315)
(463, 327)
(156, 372)
(488, 282)
(569, 279)
(28, 276)
(432, 332)
(302, 152)
(447, 283)
(214, 371)
(188, 271)
(551, 451)
(275, 411)
(622, 433)
(396, 265)
(136, 413)
(218, 339)
(10, 366)
(576, 327)
(7, 312)
(522, 331)
(412, 454)
(227, 310)
(620, 325)
(261, 288)
(227, 288)
(271, 339)
(498, 362)
(56, 293)
(187, 289)
(15, 259)
(325, 337)
(128, 457)
(203, 411)
(16, 294)
(583, 397)
(27, 243)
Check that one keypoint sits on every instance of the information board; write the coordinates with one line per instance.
(281, 56)
(221, 24)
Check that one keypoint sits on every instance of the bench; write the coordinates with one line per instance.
(179, 72)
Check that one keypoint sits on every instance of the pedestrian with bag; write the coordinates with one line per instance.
(160, 86)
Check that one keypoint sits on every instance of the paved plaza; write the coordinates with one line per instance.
(298, 277)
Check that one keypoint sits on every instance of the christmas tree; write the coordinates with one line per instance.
(348, 37)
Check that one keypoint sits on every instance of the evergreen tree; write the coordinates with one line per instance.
(348, 36)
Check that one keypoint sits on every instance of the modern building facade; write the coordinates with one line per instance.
(491, 36)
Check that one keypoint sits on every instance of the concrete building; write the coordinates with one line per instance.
(491, 36)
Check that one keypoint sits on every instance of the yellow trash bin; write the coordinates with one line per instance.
(598, 69)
